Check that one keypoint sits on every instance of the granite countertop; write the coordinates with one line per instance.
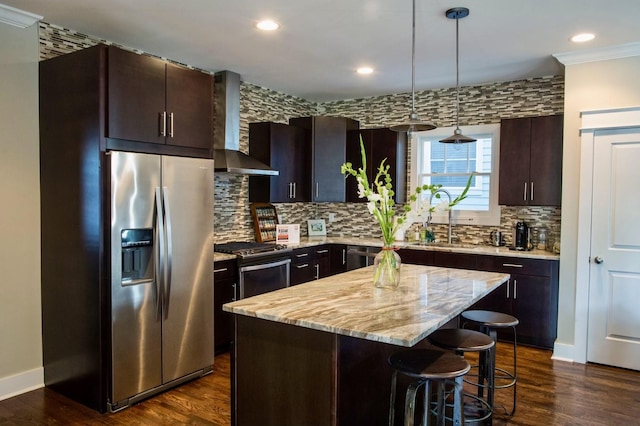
(376, 242)
(348, 304)
(456, 248)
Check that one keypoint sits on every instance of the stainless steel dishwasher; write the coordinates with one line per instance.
(360, 256)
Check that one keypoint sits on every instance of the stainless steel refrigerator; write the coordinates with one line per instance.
(161, 256)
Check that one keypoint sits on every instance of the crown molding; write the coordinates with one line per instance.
(16, 17)
(599, 54)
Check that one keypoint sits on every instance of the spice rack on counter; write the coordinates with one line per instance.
(265, 220)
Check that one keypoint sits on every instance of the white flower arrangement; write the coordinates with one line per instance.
(380, 194)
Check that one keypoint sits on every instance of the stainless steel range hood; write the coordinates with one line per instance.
(226, 133)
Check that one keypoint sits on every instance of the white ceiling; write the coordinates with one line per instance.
(322, 42)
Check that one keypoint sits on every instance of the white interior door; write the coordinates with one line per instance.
(614, 282)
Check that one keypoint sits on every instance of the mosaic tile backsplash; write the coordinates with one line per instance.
(478, 105)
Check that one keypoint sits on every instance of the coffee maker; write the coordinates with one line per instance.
(521, 236)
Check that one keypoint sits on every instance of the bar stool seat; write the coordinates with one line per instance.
(489, 322)
(460, 341)
(427, 366)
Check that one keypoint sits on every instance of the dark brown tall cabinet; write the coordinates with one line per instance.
(286, 150)
(379, 144)
(531, 161)
(327, 137)
(153, 101)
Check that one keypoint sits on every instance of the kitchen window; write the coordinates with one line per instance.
(451, 165)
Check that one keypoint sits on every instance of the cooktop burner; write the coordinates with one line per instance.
(247, 248)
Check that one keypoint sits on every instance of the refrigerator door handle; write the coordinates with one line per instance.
(169, 256)
(160, 253)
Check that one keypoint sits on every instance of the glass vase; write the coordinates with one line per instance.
(387, 268)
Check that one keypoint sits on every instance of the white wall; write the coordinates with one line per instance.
(588, 86)
(20, 320)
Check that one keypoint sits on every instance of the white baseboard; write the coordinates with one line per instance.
(563, 352)
(21, 383)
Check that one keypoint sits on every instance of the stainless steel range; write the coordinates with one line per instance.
(262, 267)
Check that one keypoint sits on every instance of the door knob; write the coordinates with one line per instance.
(598, 260)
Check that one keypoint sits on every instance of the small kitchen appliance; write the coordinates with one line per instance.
(521, 236)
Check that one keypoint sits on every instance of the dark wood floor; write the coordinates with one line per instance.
(549, 393)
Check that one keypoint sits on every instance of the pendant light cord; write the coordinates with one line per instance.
(457, 78)
(413, 58)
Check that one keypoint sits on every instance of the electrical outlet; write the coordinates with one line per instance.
(332, 217)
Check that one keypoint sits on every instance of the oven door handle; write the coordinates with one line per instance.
(264, 265)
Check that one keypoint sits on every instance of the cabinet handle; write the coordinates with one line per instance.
(317, 189)
(317, 272)
(235, 296)
(294, 190)
(524, 194)
(171, 125)
(290, 190)
(304, 265)
(515, 289)
(531, 191)
(302, 255)
(322, 251)
(344, 256)
(220, 270)
(508, 282)
(512, 265)
(163, 123)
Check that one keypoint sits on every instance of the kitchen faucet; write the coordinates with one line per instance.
(449, 212)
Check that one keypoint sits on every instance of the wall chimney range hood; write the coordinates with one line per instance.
(226, 132)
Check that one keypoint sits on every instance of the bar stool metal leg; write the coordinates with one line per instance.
(489, 322)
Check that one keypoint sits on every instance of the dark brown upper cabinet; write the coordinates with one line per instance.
(286, 150)
(106, 98)
(379, 144)
(531, 161)
(327, 137)
(153, 101)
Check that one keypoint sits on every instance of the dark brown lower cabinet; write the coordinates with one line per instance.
(310, 263)
(225, 278)
(531, 295)
(338, 258)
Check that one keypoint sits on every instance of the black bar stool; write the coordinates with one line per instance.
(460, 341)
(428, 365)
(489, 322)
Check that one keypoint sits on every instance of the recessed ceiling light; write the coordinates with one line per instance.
(580, 38)
(364, 70)
(267, 25)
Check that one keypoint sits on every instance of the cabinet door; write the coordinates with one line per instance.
(328, 139)
(136, 97)
(189, 105)
(546, 161)
(531, 302)
(515, 142)
(225, 278)
(322, 261)
(329, 145)
(283, 148)
(338, 258)
(379, 144)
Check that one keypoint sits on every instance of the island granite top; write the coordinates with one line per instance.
(348, 304)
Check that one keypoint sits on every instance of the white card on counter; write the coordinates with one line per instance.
(288, 234)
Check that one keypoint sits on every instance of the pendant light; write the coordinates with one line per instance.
(414, 124)
(457, 13)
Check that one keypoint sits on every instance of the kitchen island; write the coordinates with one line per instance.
(316, 354)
